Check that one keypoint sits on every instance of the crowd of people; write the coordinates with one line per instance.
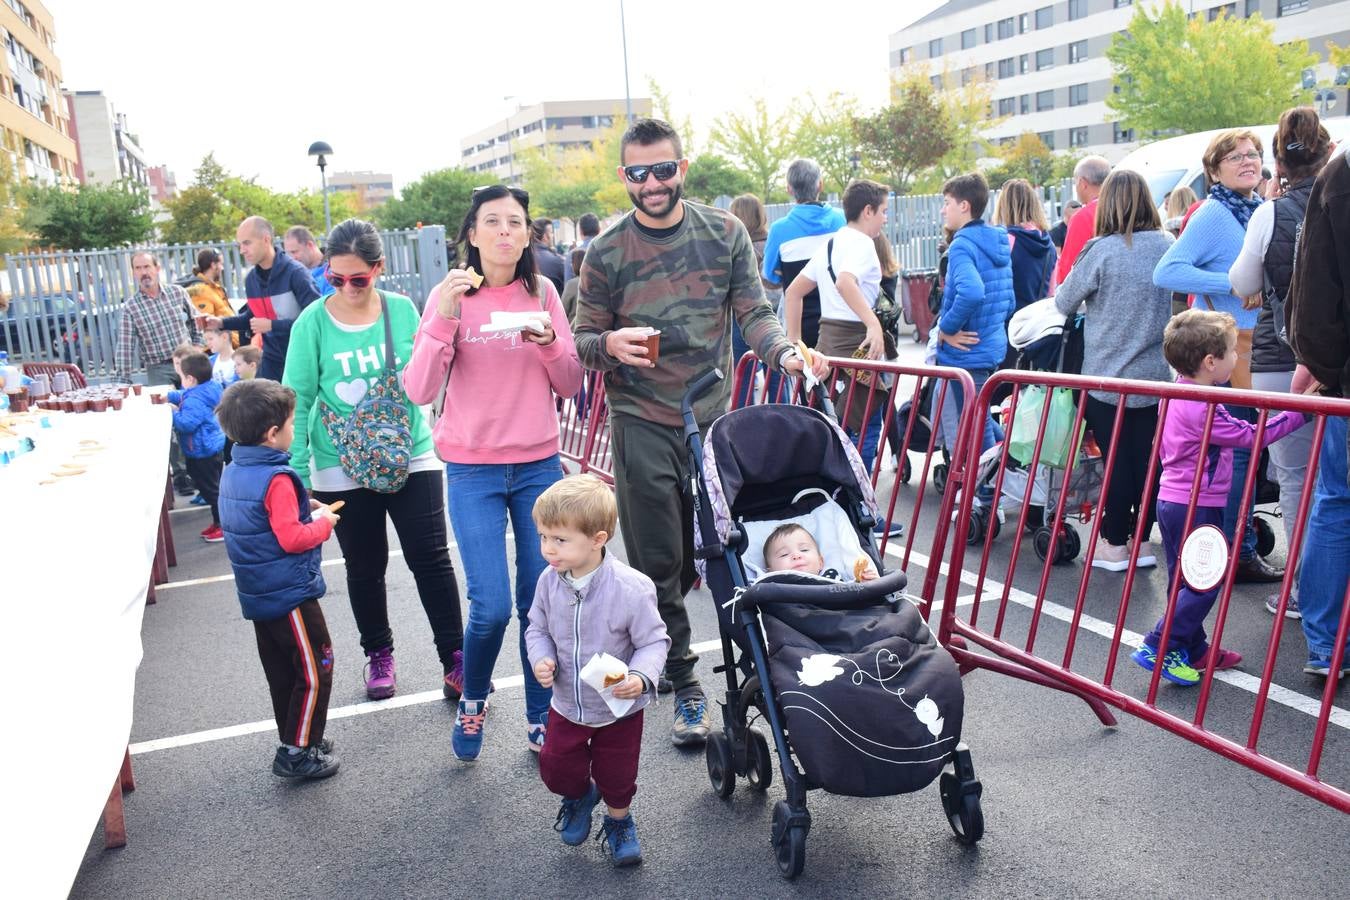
(324, 430)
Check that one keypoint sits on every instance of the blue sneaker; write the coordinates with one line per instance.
(1176, 665)
(692, 721)
(198, 500)
(620, 841)
(467, 739)
(887, 528)
(1320, 665)
(574, 818)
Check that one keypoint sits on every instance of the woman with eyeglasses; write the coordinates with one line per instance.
(498, 435)
(1198, 264)
(343, 377)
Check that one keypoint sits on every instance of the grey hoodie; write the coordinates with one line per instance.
(614, 613)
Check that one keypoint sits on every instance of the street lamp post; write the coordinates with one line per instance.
(321, 150)
(510, 148)
(627, 96)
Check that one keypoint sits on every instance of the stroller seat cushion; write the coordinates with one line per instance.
(828, 523)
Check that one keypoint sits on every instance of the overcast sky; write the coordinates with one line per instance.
(392, 84)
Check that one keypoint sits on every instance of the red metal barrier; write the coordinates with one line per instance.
(1019, 646)
(583, 429)
(854, 381)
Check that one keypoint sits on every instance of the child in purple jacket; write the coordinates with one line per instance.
(588, 602)
(1202, 347)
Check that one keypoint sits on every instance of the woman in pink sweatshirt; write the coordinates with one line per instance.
(498, 433)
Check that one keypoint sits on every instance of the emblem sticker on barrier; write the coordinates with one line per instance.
(1204, 558)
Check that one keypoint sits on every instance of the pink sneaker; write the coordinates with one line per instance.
(380, 678)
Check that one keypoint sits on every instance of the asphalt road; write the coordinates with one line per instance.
(1071, 808)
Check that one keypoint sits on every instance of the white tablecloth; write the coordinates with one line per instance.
(76, 562)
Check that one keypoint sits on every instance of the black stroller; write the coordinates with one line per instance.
(854, 687)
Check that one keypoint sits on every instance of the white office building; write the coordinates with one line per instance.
(1047, 61)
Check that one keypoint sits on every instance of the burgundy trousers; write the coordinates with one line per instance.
(574, 755)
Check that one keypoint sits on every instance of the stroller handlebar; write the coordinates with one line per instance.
(702, 384)
(851, 595)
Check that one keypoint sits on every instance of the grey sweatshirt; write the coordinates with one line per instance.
(1125, 314)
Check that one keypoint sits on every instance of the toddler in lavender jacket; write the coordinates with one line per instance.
(1202, 347)
(587, 602)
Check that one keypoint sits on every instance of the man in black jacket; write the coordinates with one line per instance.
(1318, 315)
(278, 288)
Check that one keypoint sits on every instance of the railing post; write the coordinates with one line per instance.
(431, 264)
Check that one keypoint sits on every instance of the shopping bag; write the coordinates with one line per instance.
(1060, 436)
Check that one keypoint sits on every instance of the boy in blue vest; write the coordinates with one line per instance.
(977, 302)
(273, 535)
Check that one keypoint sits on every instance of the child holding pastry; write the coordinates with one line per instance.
(587, 602)
(274, 534)
(791, 548)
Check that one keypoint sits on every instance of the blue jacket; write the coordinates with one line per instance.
(978, 296)
(796, 236)
(199, 433)
(322, 284)
(270, 581)
(280, 294)
(1033, 262)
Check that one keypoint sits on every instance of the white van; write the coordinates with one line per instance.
(1173, 162)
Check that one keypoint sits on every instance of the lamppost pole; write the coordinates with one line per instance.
(627, 95)
(321, 150)
(510, 147)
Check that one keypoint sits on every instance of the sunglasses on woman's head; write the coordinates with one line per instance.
(357, 281)
(664, 171)
(522, 196)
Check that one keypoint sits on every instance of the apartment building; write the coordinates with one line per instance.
(563, 124)
(163, 184)
(371, 188)
(1047, 60)
(109, 151)
(35, 126)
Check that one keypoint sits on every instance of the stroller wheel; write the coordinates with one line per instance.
(1070, 545)
(981, 519)
(962, 809)
(721, 773)
(940, 478)
(906, 472)
(1265, 536)
(758, 761)
(789, 841)
(1040, 539)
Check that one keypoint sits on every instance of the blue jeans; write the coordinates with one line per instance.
(1242, 458)
(1325, 565)
(481, 496)
(948, 418)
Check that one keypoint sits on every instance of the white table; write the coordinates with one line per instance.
(75, 591)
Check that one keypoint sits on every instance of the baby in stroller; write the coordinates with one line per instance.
(791, 548)
(858, 696)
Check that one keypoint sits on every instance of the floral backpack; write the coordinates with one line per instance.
(374, 443)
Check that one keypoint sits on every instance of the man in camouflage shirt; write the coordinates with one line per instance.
(684, 269)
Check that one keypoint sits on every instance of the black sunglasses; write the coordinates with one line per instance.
(664, 171)
(522, 196)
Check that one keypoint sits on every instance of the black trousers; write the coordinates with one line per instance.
(418, 514)
(297, 656)
(205, 474)
(1129, 495)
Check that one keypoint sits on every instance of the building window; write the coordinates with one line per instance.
(1252, 8)
(988, 71)
(1121, 135)
(1007, 106)
(1078, 137)
(1077, 9)
(1045, 17)
(1078, 94)
(1215, 12)
(935, 48)
(1120, 3)
(1289, 7)
(1023, 64)
(967, 76)
(1006, 68)
(1023, 23)
(936, 82)
(989, 33)
(1005, 28)
(1045, 100)
(1077, 52)
(905, 54)
(1045, 59)
(1048, 139)
(968, 39)
(1024, 104)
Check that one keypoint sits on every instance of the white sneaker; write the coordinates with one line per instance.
(1111, 557)
(1147, 559)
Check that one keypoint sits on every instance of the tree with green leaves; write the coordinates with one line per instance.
(91, 216)
(437, 198)
(1176, 74)
(826, 135)
(967, 110)
(902, 139)
(13, 236)
(712, 176)
(760, 143)
(1028, 157)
